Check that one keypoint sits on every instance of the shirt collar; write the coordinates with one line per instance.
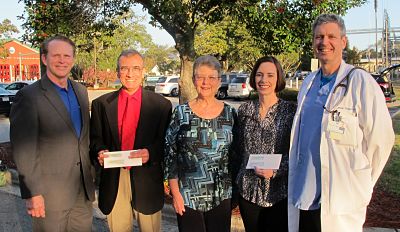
(136, 95)
(60, 88)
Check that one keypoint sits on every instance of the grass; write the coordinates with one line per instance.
(390, 179)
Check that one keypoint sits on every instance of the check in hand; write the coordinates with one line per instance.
(35, 206)
(140, 153)
(101, 156)
(266, 173)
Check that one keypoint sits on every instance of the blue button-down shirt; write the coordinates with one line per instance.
(307, 188)
(70, 100)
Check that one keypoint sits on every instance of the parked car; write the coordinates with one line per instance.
(3, 85)
(383, 79)
(240, 87)
(168, 86)
(225, 80)
(301, 75)
(16, 86)
(6, 99)
(150, 82)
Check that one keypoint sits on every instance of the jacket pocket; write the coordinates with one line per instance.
(349, 122)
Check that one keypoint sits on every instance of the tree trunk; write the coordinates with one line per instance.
(187, 90)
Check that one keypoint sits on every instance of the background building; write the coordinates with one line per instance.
(18, 62)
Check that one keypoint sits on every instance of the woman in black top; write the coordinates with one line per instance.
(263, 127)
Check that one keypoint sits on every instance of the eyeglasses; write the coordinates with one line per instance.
(126, 69)
(203, 78)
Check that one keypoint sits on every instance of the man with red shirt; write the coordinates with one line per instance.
(131, 118)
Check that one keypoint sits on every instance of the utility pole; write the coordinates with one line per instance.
(376, 35)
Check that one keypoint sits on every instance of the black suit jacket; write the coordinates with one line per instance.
(147, 180)
(51, 159)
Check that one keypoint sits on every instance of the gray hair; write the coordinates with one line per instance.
(330, 18)
(209, 61)
(128, 53)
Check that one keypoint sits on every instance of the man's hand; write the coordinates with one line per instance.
(266, 173)
(101, 156)
(35, 206)
(141, 153)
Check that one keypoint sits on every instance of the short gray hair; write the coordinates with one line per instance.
(330, 18)
(128, 53)
(209, 61)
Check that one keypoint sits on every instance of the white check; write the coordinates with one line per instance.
(264, 161)
(117, 159)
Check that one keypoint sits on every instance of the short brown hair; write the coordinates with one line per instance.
(45, 45)
(280, 82)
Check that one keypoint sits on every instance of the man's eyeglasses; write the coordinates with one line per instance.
(203, 78)
(126, 69)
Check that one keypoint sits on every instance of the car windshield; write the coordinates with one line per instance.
(238, 80)
(173, 80)
(161, 80)
(152, 79)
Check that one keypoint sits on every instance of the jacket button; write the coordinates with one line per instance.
(78, 163)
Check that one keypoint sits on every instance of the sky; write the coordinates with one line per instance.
(357, 18)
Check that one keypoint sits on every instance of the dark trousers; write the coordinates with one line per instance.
(310, 221)
(214, 220)
(258, 218)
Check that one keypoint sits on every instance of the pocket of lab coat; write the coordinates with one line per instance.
(350, 123)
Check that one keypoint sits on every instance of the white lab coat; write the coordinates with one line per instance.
(351, 165)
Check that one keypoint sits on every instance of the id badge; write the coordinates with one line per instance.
(336, 130)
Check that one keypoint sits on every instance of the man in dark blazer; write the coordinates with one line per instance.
(49, 134)
(127, 119)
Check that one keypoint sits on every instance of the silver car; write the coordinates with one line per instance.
(240, 87)
(168, 86)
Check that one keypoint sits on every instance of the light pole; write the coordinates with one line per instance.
(20, 62)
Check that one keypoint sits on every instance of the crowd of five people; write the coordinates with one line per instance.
(332, 144)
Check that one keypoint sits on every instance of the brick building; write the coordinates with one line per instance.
(19, 57)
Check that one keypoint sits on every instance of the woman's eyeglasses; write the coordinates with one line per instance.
(203, 78)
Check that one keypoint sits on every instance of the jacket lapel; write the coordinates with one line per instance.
(145, 114)
(54, 98)
(84, 106)
(112, 116)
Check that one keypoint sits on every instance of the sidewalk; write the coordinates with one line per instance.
(13, 216)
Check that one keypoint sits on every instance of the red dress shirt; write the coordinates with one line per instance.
(128, 117)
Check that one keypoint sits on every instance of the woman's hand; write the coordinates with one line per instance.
(266, 173)
(101, 156)
(178, 203)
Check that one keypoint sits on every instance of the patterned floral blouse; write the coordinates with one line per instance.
(270, 135)
(197, 154)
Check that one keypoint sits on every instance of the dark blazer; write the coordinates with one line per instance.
(147, 180)
(50, 158)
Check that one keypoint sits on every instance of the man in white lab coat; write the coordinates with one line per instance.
(342, 136)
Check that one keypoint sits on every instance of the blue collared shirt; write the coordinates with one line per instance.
(71, 103)
(307, 181)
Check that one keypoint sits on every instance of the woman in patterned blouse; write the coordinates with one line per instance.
(263, 127)
(196, 162)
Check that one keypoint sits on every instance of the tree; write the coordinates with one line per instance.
(229, 41)
(44, 18)
(180, 18)
(353, 56)
(7, 29)
(285, 26)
